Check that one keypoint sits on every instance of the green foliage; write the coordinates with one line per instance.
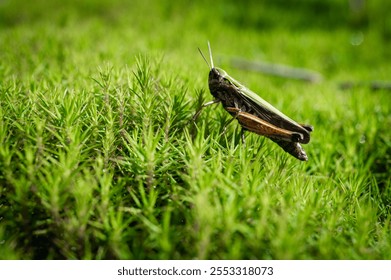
(100, 159)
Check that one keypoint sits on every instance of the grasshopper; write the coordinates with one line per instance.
(255, 114)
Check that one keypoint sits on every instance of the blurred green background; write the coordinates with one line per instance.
(336, 37)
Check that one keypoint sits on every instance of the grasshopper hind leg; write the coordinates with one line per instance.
(296, 137)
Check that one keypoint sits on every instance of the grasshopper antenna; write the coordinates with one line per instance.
(204, 57)
(210, 55)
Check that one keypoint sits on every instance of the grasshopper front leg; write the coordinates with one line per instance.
(203, 106)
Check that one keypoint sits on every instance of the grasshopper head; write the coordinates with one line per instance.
(217, 73)
(218, 76)
(221, 86)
